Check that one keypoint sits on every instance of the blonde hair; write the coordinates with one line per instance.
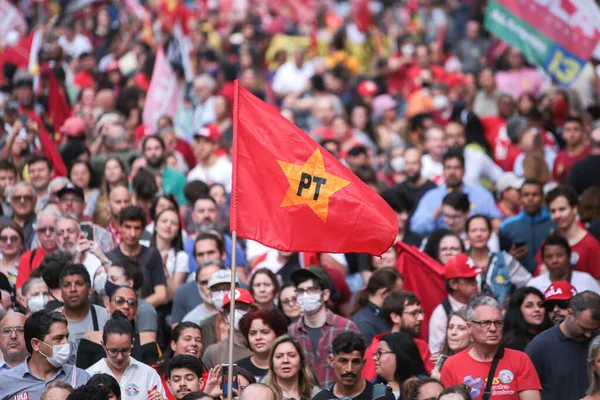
(306, 380)
(594, 387)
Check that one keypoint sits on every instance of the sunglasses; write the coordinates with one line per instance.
(12, 238)
(122, 300)
(47, 230)
(23, 198)
(562, 304)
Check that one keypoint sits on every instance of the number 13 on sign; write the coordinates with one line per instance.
(563, 66)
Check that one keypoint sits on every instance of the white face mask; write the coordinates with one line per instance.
(217, 299)
(397, 164)
(37, 303)
(440, 102)
(407, 50)
(100, 283)
(309, 303)
(60, 354)
(237, 316)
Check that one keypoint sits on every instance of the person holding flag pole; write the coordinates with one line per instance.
(283, 179)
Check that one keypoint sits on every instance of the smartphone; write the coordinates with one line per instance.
(225, 373)
(519, 244)
(440, 362)
(88, 230)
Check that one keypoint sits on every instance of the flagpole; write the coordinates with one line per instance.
(231, 315)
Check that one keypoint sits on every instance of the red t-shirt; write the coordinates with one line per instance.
(584, 256)
(368, 371)
(27, 263)
(515, 373)
(564, 162)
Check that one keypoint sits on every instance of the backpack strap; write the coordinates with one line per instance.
(447, 307)
(379, 391)
(487, 393)
(31, 258)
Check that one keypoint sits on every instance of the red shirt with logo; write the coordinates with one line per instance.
(564, 162)
(585, 255)
(515, 373)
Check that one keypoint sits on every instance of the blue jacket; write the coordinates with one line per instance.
(531, 230)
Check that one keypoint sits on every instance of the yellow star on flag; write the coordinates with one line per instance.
(310, 184)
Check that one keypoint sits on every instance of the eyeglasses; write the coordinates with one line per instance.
(70, 200)
(23, 198)
(309, 290)
(122, 300)
(67, 231)
(290, 302)
(9, 331)
(381, 352)
(11, 238)
(47, 230)
(116, 352)
(487, 324)
(415, 313)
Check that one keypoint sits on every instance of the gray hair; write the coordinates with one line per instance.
(67, 217)
(29, 283)
(593, 376)
(45, 213)
(205, 80)
(478, 301)
(22, 184)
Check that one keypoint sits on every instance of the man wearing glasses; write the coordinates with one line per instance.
(514, 378)
(31, 259)
(22, 201)
(12, 341)
(317, 328)
(560, 353)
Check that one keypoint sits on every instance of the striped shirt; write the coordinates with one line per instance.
(20, 384)
(334, 325)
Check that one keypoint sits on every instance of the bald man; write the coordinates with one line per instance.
(12, 341)
(257, 391)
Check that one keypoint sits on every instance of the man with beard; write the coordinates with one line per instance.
(402, 310)
(184, 375)
(12, 341)
(204, 217)
(561, 351)
(428, 215)
(208, 253)
(415, 186)
(348, 360)
(173, 181)
(556, 300)
(68, 235)
(118, 198)
(75, 286)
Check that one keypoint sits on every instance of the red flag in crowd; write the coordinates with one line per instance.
(59, 108)
(422, 276)
(361, 15)
(19, 53)
(291, 194)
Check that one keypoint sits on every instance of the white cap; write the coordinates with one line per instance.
(221, 276)
(508, 180)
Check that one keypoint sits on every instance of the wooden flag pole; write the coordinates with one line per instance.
(231, 315)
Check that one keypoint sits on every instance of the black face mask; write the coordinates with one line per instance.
(110, 287)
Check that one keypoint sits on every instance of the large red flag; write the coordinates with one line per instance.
(424, 277)
(361, 14)
(59, 108)
(292, 195)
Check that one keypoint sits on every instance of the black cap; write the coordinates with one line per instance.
(71, 188)
(315, 273)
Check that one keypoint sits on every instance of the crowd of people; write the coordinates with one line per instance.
(116, 255)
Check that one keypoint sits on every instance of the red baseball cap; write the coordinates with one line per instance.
(209, 132)
(74, 127)
(367, 88)
(113, 66)
(561, 290)
(241, 296)
(461, 266)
